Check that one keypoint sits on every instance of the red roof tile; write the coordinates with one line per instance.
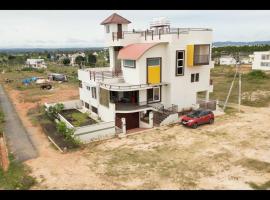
(135, 51)
(115, 19)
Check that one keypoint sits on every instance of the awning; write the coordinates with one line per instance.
(135, 51)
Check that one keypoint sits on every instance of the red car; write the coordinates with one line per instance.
(198, 117)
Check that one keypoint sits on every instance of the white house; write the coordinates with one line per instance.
(158, 71)
(227, 60)
(36, 63)
(261, 60)
(74, 56)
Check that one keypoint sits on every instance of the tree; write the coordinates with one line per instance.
(92, 59)
(79, 60)
(66, 61)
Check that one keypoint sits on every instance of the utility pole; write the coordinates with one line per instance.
(237, 70)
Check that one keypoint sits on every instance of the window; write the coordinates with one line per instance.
(86, 105)
(80, 84)
(108, 29)
(180, 63)
(265, 57)
(195, 77)
(94, 92)
(88, 88)
(153, 94)
(265, 64)
(129, 63)
(153, 61)
(94, 109)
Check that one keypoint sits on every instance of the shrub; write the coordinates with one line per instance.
(257, 74)
(68, 133)
(54, 110)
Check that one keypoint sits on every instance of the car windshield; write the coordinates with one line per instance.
(194, 114)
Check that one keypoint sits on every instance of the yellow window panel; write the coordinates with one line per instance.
(153, 74)
(190, 55)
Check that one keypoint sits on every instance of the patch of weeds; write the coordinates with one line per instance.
(79, 118)
(17, 176)
(263, 186)
(254, 164)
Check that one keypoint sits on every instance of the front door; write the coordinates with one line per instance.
(119, 31)
(153, 70)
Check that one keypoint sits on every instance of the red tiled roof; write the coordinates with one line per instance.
(135, 51)
(115, 19)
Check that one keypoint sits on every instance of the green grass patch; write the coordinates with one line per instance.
(79, 118)
(254, 164)
(263, 186)
(17, 177)
(253, 81)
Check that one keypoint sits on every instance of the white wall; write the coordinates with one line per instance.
(256, 65)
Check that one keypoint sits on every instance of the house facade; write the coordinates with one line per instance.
(227, 60)
(160, 71)
(261, 60)
(36, 63)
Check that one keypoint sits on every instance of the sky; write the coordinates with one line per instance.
(72, 28)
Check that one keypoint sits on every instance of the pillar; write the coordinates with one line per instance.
(124, 129)
(151, 119)
(207, 96)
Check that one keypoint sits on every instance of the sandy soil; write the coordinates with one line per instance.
(226, 155)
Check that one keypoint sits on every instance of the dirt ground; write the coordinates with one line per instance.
(232, 153)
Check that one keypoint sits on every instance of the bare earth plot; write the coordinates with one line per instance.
(228, 155)
(231, 154)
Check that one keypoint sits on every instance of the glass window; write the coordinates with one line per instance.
(94, 109)
(192, 78)
(108, 29)
(86, 105)
(88, 88)
(129, 63)
(179, 63)
(94, 92)
(197, 77)
(153, 94)
(153, 61)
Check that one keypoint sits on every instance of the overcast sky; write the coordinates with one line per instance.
(82, 28)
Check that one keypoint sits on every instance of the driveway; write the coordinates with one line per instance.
(19, 142)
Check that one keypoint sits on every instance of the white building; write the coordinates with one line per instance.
(261, 60)
(161, 70)
(74, 56)
(36, 63)
(227, 60)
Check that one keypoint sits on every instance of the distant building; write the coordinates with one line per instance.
(227, 60)
(261, 60)
(246, 60)
(74, 56)
(36, 63)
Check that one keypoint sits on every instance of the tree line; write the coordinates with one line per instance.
(246, 49)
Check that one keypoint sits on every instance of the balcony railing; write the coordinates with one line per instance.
(201, 59)
(101, 75)
(121, 35)
(131, 106)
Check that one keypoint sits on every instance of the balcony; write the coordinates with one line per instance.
(120, 107)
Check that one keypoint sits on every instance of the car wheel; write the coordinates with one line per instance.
(211, 121)
(195, 125)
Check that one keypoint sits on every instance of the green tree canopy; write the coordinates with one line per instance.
(66, 61)
(92, 59)
(79, 60)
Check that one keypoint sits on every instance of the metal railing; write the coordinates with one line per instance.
(121, 35)
(210, 104)
(101, 75)
(201, 59)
